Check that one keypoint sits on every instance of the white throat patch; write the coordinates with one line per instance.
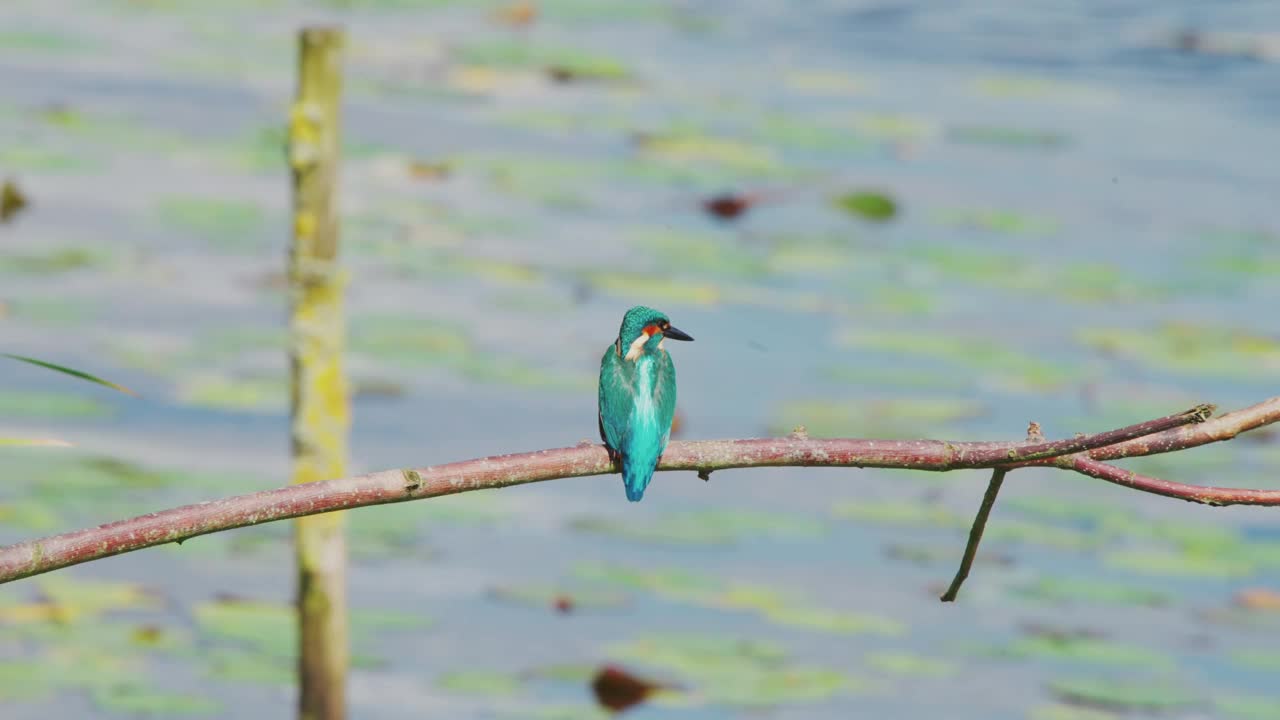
(637, 348)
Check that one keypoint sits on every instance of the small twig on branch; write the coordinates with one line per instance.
(975, 533)
(51, 553)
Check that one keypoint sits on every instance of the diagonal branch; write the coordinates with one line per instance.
(1191, 493)
(175, 525)
(975, 533)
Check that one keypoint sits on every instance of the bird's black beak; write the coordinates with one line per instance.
(674, 334)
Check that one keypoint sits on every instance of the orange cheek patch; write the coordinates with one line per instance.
(651, 330)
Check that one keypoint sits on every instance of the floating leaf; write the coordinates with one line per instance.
(1248, 707)
(1192, 349)
(483, 683)
(238, 665)
(911, 665)
(577, 63)
(33, 442)
(139, 700)
(736, 671)
(987, 355)
(901, 512)
(1085, 649)
(12, 200)
(1088, 591)
(616, 689)
(232, 223)
(691, 148)
(710, 527)
(558, 598)
(1179, 564)
(897, 418)
(249, 394)
(868, 205)
(1149, 695)
(1069, 712)
(69, 371)
(1264, 599)
(1004, 221)
(54, 261)
(1008, 137)
(1268, 660)
(27, 404)
(267, 628)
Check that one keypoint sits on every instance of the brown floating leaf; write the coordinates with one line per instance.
(563, 604)
(617, 690)
(430, 170)
(1258, 599)
(517, 14)
(12, 200)
(729, 206)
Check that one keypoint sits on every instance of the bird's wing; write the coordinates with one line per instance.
(616, 399)
(664, 395)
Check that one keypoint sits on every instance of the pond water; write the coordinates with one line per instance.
(1085, 235)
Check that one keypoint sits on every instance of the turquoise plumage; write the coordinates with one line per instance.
(638, 395)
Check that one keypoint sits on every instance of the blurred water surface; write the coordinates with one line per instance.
(1086, 237)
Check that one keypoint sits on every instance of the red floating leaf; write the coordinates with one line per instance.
(617, 690)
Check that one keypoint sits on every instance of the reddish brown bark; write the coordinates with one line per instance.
(43, 555)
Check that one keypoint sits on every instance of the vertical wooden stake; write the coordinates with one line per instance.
(320, 400)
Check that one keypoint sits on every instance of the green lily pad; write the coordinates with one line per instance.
(1014, 531)
(1248, 707)
(248, 666)
(135, 699)
(267, 628)
(551, 596)
(901, 512)
(31, 404)
(1084, 649)
(694, 149)
(1258, 659)
(1008, 137)
(874, 206)
(40, 159)
(1125, 695)
(408, 340)
(1086, 591)
(705, 254)
(774, 606)
(706, 527)
(516, 372)
(899, 418)
(911, 665)
(1002, 221)
(243, 394)
(41, 40)
(649, 288)
(1179, 564)
(1056, 711)
(519, 54)
(1190, 349)
(482, 683)
(735, 671)
(989, 356)
(55, 261)
(221, 222)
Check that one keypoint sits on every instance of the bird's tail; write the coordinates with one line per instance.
(636, 477)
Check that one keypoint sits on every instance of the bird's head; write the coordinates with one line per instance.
(643, 330)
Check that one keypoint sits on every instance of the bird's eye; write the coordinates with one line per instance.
(666, 325)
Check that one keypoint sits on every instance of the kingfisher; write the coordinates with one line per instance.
(638, 395)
